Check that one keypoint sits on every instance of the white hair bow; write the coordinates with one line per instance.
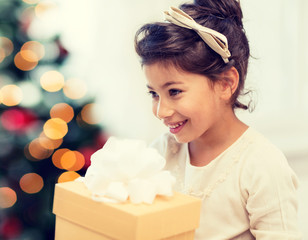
(215, 40)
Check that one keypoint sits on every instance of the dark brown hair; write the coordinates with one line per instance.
(183, 48)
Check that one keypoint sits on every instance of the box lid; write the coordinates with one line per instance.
(166, 217)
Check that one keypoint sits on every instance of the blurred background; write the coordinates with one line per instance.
(69, 78)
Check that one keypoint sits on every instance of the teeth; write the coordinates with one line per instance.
(176, 125)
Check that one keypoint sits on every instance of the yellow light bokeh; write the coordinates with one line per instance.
(37, 151)
(52, 81)
(24, 64)
(75, 88)
(11, 95)
(90, 114)
(31, 183)
(57, 156)
(63, 111)
(48, 143)
(8, 197)
(6, 45)
(35, 50)
(55, 128)
(68, 176)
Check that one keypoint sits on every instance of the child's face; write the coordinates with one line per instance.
(187, 103)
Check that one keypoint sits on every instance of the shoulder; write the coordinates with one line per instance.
(264, 164)
(262, 152)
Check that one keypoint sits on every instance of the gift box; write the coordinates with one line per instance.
(78, 216)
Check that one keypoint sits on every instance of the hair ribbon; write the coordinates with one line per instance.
(215, 40)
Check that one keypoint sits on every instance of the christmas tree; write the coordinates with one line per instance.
(48, 126)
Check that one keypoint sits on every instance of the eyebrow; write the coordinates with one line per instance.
(167, 84)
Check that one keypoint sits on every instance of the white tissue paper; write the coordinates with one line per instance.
(127, 168)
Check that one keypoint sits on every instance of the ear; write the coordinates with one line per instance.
(228, 83)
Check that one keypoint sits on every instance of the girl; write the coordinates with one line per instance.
(195, 65)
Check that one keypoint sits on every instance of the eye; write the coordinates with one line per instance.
(174, 92)
(153, 94)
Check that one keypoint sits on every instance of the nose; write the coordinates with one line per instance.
(163, 109)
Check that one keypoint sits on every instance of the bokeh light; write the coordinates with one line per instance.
(57, 156)
(11, 95)
(63, 111)
(75, 88)
(48, 143)
(43, 8)
(8, 197)
(72, 160)
(52, 81)
(6, 46)
(68, 176)
(55, 128)
(91, 113)
(35, 151)
(32, 51)
(2, 54)
(23, 60)
(31, 183)
(15, 119)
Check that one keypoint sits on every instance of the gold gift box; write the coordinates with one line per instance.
(80, 217)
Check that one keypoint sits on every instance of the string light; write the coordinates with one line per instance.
(8, 197)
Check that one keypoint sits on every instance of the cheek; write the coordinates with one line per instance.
(154, 108)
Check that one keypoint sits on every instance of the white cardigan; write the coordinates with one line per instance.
(248, 191)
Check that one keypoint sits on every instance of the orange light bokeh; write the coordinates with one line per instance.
(11, 95)
(57, 156)
(6, 45)
(52, 81)
(37, 151)
(8, 197)
(63, 111)
(68, 176)
(72, 160)
(31, 183)
(90, 114)
(35, 50)
(23, 63)
(55, 128)
(48, 143)
(2, 54)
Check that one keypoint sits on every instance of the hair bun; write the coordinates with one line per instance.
(228, 9)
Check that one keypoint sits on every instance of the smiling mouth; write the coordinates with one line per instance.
(175, 128)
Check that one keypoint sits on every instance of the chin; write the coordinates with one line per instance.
(180, 139)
